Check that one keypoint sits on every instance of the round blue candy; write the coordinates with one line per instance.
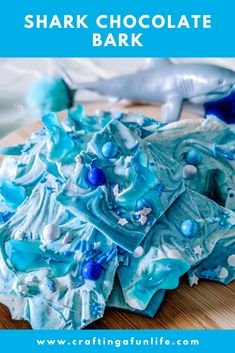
(189, 228)
(96, 176)
(109, 149)
(141, 203)
(193, 157)
(91, 270)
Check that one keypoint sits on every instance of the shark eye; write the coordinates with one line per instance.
(220, 81)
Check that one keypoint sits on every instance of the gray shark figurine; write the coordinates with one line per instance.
(162, 82)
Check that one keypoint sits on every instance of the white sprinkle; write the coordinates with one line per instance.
(68, 238)
(19, 235)
(145, 211)
(223, 273)
(138, 252)
(128, 159)
(116, 190)
(96, 245)
(231, 260)
(23, 289)
(198, 250)
(122, 221)
(51, 232)
(193, 280)
(143, 220)
(86, 299)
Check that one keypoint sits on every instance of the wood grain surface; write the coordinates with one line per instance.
(205, 306)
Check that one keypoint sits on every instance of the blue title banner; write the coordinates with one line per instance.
(104, 28)
(122, 341)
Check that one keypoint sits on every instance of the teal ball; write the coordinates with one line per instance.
(193, 157)
(189, 228)
(50, 94)
(109, 149)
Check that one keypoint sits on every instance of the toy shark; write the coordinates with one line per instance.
(160, 82)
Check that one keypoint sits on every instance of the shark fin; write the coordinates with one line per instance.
(171, 110)
(158, 62)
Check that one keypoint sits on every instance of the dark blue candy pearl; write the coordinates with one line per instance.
(96, 176)
(189, 228)
(141, 203)
(109, 149)
(91, 270)
(193, 157)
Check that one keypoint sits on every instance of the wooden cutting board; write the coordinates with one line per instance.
(205, 306)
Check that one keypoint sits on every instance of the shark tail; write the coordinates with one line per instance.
(75, 86)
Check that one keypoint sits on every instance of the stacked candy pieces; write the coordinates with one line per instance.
(111, 210)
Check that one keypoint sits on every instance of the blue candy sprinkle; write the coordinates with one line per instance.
(49, 188)
(96, 176)
(67, 253)
(21, 165)
(5, 216)
(193, 157)
(101, 259)
(209, 274)
(49, 282)
(83, 246)
(189, 228)
(214, 150)
(89, 247)
(228, 154)
(92, 256)
(111, 255)
(109, 149)
(43, 180)
(77, 245)
(91, 270)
